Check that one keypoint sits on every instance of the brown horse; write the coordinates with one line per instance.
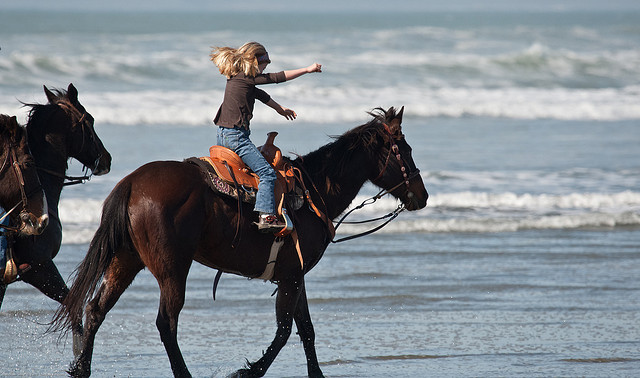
(20, 191)
(163, 216)
(57, 131)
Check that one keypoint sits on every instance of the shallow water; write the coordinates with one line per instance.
(525, 127)
(543, 303)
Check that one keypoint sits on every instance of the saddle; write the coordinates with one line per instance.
(227, 174)
(234, 178)
(230, 167)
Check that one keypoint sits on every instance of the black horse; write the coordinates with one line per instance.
(57, 131)
(21, 194)
(163, 216)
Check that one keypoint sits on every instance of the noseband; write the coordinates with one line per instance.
(12, 159)
(396, 151)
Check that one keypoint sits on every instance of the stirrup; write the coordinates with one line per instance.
(269, 223)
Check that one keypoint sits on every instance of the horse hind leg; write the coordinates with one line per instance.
(119, 275)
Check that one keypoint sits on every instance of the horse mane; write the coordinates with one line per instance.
(331, 160)
(38, 111)
(366, 135)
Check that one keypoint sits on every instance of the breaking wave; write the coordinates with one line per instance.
(447, 212)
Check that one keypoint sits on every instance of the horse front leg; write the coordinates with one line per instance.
(286, 301)
(307, 334)
(46, 278)
(172, 294)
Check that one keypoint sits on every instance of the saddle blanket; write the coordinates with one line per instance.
(218, 185)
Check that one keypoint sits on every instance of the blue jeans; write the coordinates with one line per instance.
(238, 141)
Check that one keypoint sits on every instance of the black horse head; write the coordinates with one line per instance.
(376, 151)
(396, 171)
(64, 128)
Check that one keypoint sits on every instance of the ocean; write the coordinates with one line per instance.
(526, 129)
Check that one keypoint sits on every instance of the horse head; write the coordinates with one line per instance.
(82, 142)
(396, 171)
(20, 187)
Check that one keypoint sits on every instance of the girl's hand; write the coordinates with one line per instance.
(287, 113)
(315, 67)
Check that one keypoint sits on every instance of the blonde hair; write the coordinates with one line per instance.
(232, 61)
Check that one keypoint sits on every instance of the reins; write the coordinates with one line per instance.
(73, 180)
(392, 215)
(370, 201)
(6, 226)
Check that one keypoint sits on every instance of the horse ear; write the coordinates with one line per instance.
(399, 115)
(12, 127)
(50, 96)
(72, 92)
(396, 129)
(3, 124)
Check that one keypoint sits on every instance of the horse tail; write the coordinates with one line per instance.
(112, 235)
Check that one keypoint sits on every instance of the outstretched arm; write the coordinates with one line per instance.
(285, 112)
(292, 74)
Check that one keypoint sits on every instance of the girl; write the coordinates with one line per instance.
(243, 68)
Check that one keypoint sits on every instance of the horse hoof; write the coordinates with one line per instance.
(242, 373)
(316, 374)
(77, 372)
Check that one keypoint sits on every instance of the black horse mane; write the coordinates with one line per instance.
(38, 111)
(367, 135)
(331, 160)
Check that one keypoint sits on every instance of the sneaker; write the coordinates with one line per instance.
(270, 223)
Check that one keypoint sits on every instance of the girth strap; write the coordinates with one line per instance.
(271, 263)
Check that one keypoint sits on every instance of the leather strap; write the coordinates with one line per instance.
(313, 206)
(271, 263)
(296, 241)
(236, 238)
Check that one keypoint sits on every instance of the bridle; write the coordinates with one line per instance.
(73, 180)
(406, 177)
(12, 159)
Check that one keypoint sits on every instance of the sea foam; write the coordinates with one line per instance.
(446, 212)
(347, 105)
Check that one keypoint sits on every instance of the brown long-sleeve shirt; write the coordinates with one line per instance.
(240, 95)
